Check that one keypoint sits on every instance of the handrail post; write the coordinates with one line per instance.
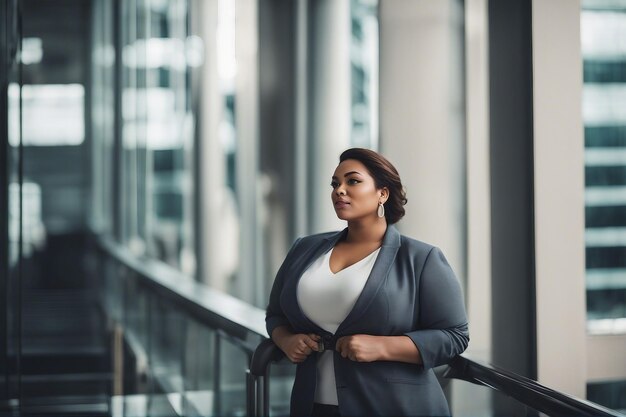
(266, 394)
(250, 394)
(266, 353)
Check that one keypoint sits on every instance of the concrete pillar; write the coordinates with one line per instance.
(329, 93)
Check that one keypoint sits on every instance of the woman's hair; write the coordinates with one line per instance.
(385, 175)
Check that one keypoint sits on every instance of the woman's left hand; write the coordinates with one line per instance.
(361, 347)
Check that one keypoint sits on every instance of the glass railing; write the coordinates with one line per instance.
(185, 349)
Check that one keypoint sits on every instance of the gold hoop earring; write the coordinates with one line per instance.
(381, 210)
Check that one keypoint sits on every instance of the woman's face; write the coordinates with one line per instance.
(354, 193)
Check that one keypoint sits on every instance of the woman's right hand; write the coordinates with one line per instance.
(297, 346)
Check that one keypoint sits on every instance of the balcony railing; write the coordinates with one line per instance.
(190, 350)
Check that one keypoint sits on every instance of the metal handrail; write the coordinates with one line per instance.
(524, 390)
(258, 377)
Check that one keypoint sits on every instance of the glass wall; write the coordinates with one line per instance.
(157, 129)
(102, 118)
(188, 168)
(10, 208)
(143, 128)
(603, 29)
(364, 73)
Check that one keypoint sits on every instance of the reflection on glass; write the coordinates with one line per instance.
(102, 117)
(32, 51)
(169, 136)
(232, 380)
(13, 120)
(33, 232)
(130, 113)
(282, 376)
(56, 114)
(603, 30)
(225, 228)
(611, 394)
(15, 229)
(166, 347)
(158, 132)
(478, 400)
(199, 370)
(364, 72)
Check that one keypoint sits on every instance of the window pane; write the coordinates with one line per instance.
(364, 72)
(59, 111)
(158, 132)
(169, 136)
(603, 29)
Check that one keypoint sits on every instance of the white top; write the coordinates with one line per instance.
(326, 299)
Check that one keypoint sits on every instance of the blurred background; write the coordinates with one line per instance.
(159, 157)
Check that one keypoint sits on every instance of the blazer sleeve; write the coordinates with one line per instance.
(442, 323)
(274, 315)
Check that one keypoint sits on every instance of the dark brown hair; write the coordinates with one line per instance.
(385, 175)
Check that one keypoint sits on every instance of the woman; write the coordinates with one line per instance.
(366, 313)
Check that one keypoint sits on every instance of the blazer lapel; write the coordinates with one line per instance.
(298, 269)
(380, 270)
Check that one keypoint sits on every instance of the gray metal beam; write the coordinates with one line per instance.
(512, 198)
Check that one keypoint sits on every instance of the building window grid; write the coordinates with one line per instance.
(604, 116)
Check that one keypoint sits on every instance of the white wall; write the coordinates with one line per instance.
(422, 118)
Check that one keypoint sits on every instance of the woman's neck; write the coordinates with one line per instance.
(366, 231)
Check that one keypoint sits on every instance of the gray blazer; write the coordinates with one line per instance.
(411, 291)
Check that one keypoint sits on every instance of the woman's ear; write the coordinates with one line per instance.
(384, 194)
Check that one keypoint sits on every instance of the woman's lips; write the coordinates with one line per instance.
(341, 204)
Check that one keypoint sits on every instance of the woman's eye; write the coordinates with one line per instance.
(353, 181)
(334, 184)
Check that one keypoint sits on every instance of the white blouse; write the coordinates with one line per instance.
(326, 299)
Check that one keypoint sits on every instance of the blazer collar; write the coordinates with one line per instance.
(380, 270)
(391, 238)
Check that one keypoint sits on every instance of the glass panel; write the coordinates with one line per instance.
(102, 116)
(113, 276)
(59, 110)
(477, 400)
(167, 335)
(158, 132)
(282, 376)
(137, 309)
(224, 221)
(364, 70)
(227, 71)
(63, 351)
(611, 394)
(199, 370)
(232, 379)
(131, 124)
(169, 141)
(603, 27)
(9, 383)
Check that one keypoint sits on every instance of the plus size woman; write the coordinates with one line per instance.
(366, 312)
